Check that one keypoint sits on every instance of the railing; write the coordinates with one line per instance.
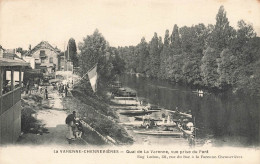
(9, 99)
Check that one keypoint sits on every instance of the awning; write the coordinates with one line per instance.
(4, 62)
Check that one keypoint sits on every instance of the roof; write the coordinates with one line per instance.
(11, 55)
(4, 62)
(47, 65)
(45, 45)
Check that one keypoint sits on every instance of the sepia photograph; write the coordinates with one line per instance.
(129, 81)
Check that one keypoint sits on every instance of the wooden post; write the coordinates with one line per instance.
(12, 79)
(1, 80)
(1, 92)
(20, 77)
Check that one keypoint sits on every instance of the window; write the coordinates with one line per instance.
(42, 53)
(51, 59)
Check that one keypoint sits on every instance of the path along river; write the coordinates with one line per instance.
(224, 119)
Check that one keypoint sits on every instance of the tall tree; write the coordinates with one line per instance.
(93, 51)
(209, 67)
(154, 62)
(175, 40)
(72, 49)
(222, 33)
(227, 64)
(142, 56)
(167, 38)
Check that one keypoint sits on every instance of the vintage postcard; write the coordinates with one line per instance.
(129, 81)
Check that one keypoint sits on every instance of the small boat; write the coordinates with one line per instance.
(160, 133)
(186, 132)
(140, 118)
(147, 122)
(181, 113)
(125, 98)
(126, 107)
(125, 102)
(124, 92)
(138, 112)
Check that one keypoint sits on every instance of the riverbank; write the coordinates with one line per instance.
(43, 120)
(96, 112)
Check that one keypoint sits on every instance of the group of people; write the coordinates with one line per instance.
(63, 88)
(75, 128)
(29, 88)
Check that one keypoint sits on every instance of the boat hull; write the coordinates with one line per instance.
(160, 133)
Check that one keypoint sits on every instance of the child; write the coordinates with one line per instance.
(78, 130)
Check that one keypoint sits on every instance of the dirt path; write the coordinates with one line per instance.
(54, 120)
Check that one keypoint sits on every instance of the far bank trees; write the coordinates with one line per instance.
(213, 56)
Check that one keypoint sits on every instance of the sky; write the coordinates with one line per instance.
(121, 22)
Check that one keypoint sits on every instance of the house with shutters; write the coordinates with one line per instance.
(45, 57)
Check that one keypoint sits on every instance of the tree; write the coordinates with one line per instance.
(175, 40)
(209, 67)
(227, 64)
(93, 51)
(222, 33)
(244, 33)
(142, 56)
(72, 48)
(154, 51)
(167, 38)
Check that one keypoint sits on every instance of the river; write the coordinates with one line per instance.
(224, 119)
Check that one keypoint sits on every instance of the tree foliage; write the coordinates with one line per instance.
(214, 56)
(95, 50)
(71, 52)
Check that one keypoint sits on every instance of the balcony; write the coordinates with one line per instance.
(9, 99)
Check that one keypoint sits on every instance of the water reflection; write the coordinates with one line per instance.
(225, 119)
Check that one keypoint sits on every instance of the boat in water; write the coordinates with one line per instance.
(137, 112)
(175, 133)
(180, 113)
(149, 123)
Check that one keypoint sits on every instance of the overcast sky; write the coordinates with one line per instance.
(122, 22)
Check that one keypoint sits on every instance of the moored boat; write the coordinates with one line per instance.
(137, 112)
(161, 133)
(180, 113)
(140, 118)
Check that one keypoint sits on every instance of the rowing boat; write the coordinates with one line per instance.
(140, 118)
(160, 133)
(181, 113)
(157, 123)
(186, 132)
(138, 112)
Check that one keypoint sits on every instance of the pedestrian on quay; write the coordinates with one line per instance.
(66, 91)
(40, 89)
(71, 121)
(27, 87)
(46, 92)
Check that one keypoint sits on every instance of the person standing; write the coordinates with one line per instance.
(70, 121)
(27, 87)
(66, 90)
(46, 92)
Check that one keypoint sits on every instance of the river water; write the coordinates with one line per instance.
(224, 119)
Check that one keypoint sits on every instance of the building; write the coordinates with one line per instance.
(45, 56)
(11, 77)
